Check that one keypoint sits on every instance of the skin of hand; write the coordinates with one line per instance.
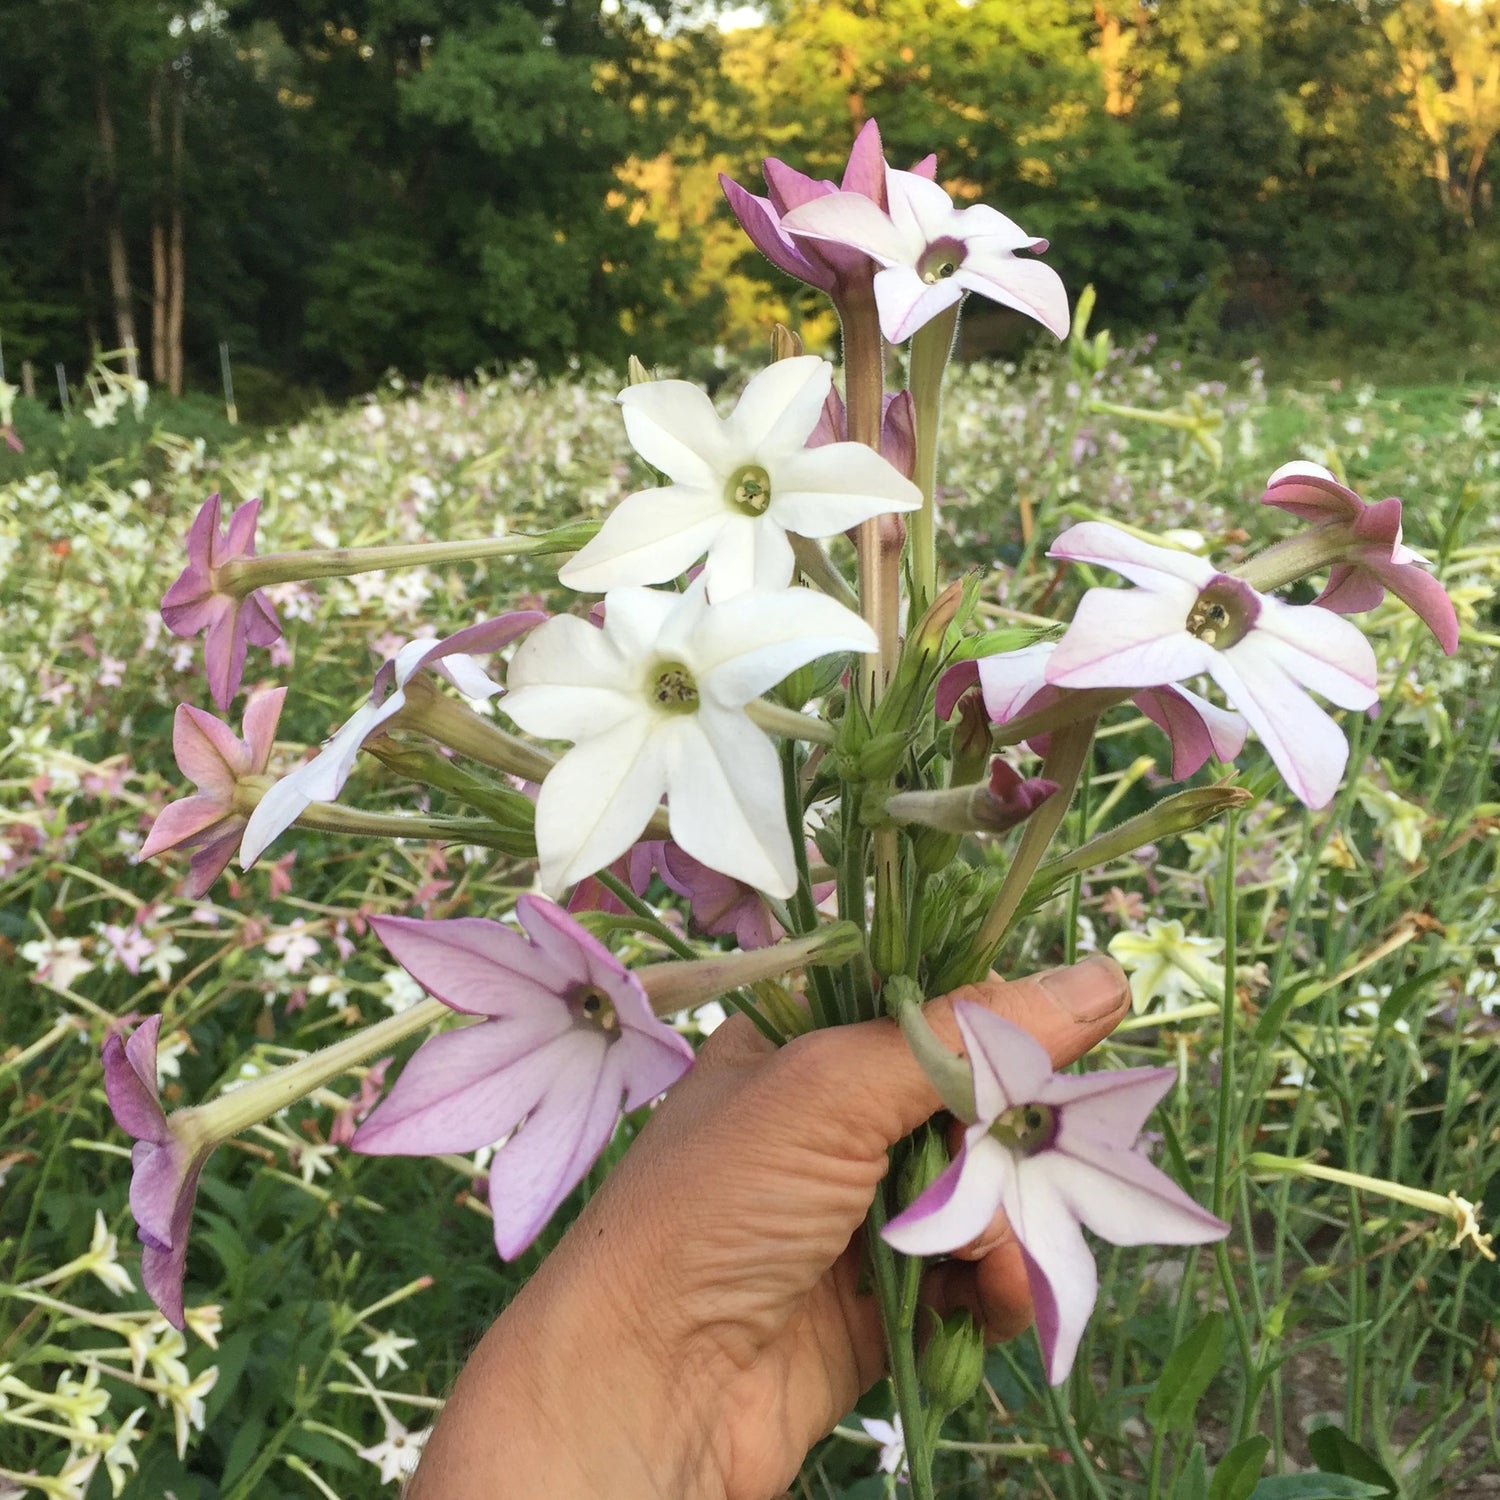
(699, 1327)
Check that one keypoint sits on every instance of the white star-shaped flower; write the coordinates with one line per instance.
(385, 1349)
(655, 704)
(740, 484)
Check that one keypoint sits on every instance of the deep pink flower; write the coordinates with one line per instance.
(1015, 683)
(1057, 1153)
(164, 1166)
(932, 253)
(567, 1040)
(898, 429)
(829, 267)
(210, 756)
(1377, 558)
(1185, 618)
(196, 602)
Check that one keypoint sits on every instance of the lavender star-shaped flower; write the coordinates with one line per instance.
(165, 1165)
(1057, 1153)
(567, 1040)
(197, 602)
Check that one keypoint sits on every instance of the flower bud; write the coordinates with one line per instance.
(926, 1161)
(638, 373)
(953, 1362)
(784, 343)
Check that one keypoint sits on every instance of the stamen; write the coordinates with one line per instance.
(596, 1007)
(1028, 1128)
(749, 490)
(674, 689)
(1223, 614)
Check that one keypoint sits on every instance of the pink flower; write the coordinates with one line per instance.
(933, 253)
(1185, 618)
(1377, 559)
(1015, 683)
(898, 432)
(567, 1040)
(196, 602)
(1057, 1153)
(830, 267)
(165, 1166)
(211, 757)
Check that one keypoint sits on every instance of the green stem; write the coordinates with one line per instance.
(889, 1288)
(931, 346)
(240, 575)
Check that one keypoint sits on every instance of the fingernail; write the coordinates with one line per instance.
(1088, 991)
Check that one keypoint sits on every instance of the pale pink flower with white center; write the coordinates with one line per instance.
(741, 485)
(293, 945)
(1185, 618)
(57, 961)
(1377, 558)
(1057, 1153)
(567, 1040)
(932, 253)
(214, 760)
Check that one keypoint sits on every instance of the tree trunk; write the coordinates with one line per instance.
(176, 258)
(114, 228)
(160, 362)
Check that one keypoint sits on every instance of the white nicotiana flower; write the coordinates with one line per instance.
(1165, 961)
(397, 1455)
(655, 703)
(740, 484)
(1401, 823)
(103, 1258)
(385, 1349)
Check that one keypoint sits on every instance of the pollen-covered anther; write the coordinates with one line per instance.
(1028, 1128)
(596, 1008)
(750, 490)
(673, 688)
(941, 261)
(1224, 612)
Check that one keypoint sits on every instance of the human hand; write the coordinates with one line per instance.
(700, 1325)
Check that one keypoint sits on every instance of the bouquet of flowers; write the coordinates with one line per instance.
(852, 774)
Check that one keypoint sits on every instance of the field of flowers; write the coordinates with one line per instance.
(331, 1298)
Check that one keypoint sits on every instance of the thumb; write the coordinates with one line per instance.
(861, 1087)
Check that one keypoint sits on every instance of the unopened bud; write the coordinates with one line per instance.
(784, 343)
(1083, 310)
(953, 1362)
(971, 740)
(926, 1161)
(638, 373)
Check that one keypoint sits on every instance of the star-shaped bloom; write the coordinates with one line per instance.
(740, 484)
(386, 1349)
(1057, 1153)
(892, 1446)
(829, 267)
(165, 1165)
(932, 253)
(1166, 960)
(655, 704)
(210, 756)
(1376, 560)
(1015, 683)
(322, 778)
(1186, 618)
(197, 602)
(567, 1040)
(397, 1453)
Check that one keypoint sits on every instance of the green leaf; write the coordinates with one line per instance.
(1186, 1374)
(1236, 1473)
(1334, 1451)
(1192, 1482)
(1314, 1487)
(995, 642)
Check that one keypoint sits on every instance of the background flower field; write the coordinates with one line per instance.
(1361, 1338)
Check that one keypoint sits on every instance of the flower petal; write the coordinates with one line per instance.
(1010, 1066)
(1127, 638)
(1319, 649)
(1195, 727)
(1124, 1199)
(569, 681)
(854, 220)
(207, 751)
(741, 647)
(673, 425)
(262, 714)
(1159, 568)
(183, 820)
(1310, 492)
(469, 1088)
(820, 491)
(958, 1206)
(649, 537)
(1108, 1108)
(779, 407)
(130, 1082)
(597, 799)
(1010, 680)
(476, 965)
(547, 1157)
(1060, 1268)
(759, 219)
(1416, 588)
(1029, 286)
(905, 302)
(1309, 749)
(725, 800)
(749, 553)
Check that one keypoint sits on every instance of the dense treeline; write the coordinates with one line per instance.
(335, 187)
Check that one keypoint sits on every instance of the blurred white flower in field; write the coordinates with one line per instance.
(56, 961)
(385, 1349)
(397, 1453)
(1166, 961)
